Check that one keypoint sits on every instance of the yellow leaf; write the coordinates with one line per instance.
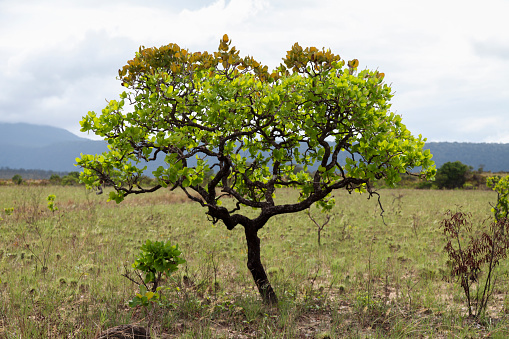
(149, 295)
(225, 38)
(353, 63)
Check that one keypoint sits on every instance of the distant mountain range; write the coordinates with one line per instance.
(43, 147)
(26, 146)
(488, 156)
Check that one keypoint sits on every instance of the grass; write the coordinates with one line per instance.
(61, 272)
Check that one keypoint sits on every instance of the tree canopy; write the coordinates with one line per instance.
(258, 130)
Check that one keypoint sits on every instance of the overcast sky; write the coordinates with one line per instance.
(447, 60)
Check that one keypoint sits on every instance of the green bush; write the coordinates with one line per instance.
(55, 179)
(71, 179)
(155, 259)
(452, 175)
(17, 179)
(424, 185)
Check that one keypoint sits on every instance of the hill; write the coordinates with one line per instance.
(490, 157)
(46, 148)
(54, 149)
(28, 135)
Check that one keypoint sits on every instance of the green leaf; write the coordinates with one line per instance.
(149, 295)
(136, 301)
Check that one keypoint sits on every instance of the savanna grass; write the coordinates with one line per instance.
(372, 276)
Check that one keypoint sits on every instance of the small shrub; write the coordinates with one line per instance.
(424, 185)
(71, 179)
(319, 225)
(155, 260)
(44, 234)
(17, 179)
(501, 186)
(481, 253)
(146, 181)
(55, 179)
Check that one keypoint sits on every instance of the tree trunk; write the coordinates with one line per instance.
(254, 264)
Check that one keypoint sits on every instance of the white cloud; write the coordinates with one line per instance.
(448, 62)
(471, 125)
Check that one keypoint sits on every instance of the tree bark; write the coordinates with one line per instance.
(254, 264)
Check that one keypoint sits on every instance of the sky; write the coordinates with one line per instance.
(447, 61)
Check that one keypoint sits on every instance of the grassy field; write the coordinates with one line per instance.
(61, 272)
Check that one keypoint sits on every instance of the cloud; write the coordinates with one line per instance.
(492, 49)
(446, 61)
(494, 128)
(60, 84)
(71, 63)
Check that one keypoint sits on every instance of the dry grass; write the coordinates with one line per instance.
(368, 279)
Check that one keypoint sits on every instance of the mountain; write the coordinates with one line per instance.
(27, 135)
(54, 149)
(491, 157)
(43, 147)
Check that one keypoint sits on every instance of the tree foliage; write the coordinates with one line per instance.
(501, 186)
(258, 130)
(452, 175)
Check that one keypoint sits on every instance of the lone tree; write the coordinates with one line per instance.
(452, 175)
(218, 111)
(17, 179)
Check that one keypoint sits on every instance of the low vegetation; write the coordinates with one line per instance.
(63, 262)
(7, 173)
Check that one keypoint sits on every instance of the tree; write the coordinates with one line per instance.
(55, 179)
(71, 179)
(17, 179)
(253, 128)
(452, 175)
